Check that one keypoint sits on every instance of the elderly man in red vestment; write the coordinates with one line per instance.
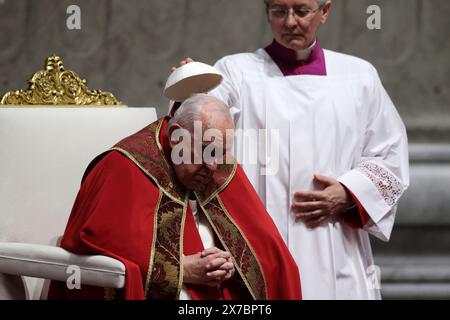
(183, 230)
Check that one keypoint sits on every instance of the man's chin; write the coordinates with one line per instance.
(199, 188)
(295, 43)
(199, 184)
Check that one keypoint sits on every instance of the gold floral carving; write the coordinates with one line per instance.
(57, 86)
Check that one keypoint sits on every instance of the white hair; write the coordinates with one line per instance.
(190, 110)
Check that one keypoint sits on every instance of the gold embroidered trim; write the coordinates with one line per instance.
(152, 158)
(161, 150)
(164, 283)
(248, 244)
(129, 156)
(183, 221)
(152, 252)
(158, 143)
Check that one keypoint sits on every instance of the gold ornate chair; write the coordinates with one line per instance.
(48, 134)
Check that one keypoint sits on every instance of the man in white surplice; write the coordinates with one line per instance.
(342, 154)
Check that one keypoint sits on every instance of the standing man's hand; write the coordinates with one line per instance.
(182, 63)
(210, 267)
(314, 207)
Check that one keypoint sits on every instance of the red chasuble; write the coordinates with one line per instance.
(130, 207)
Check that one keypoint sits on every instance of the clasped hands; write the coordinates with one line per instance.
(210, 267)
(314, 207)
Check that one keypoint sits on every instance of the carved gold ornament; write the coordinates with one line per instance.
(57, 86)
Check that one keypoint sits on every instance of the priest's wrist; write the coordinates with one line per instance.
(186, 271)
(350, 203)
(350, 208)
(193, 272)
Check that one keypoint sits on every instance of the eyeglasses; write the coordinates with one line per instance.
(281, 13)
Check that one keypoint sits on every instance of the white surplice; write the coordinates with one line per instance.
(342, 125)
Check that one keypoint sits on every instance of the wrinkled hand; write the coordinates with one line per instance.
(224, 272)
(210, 267)
(182, 63)
(314, 207)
